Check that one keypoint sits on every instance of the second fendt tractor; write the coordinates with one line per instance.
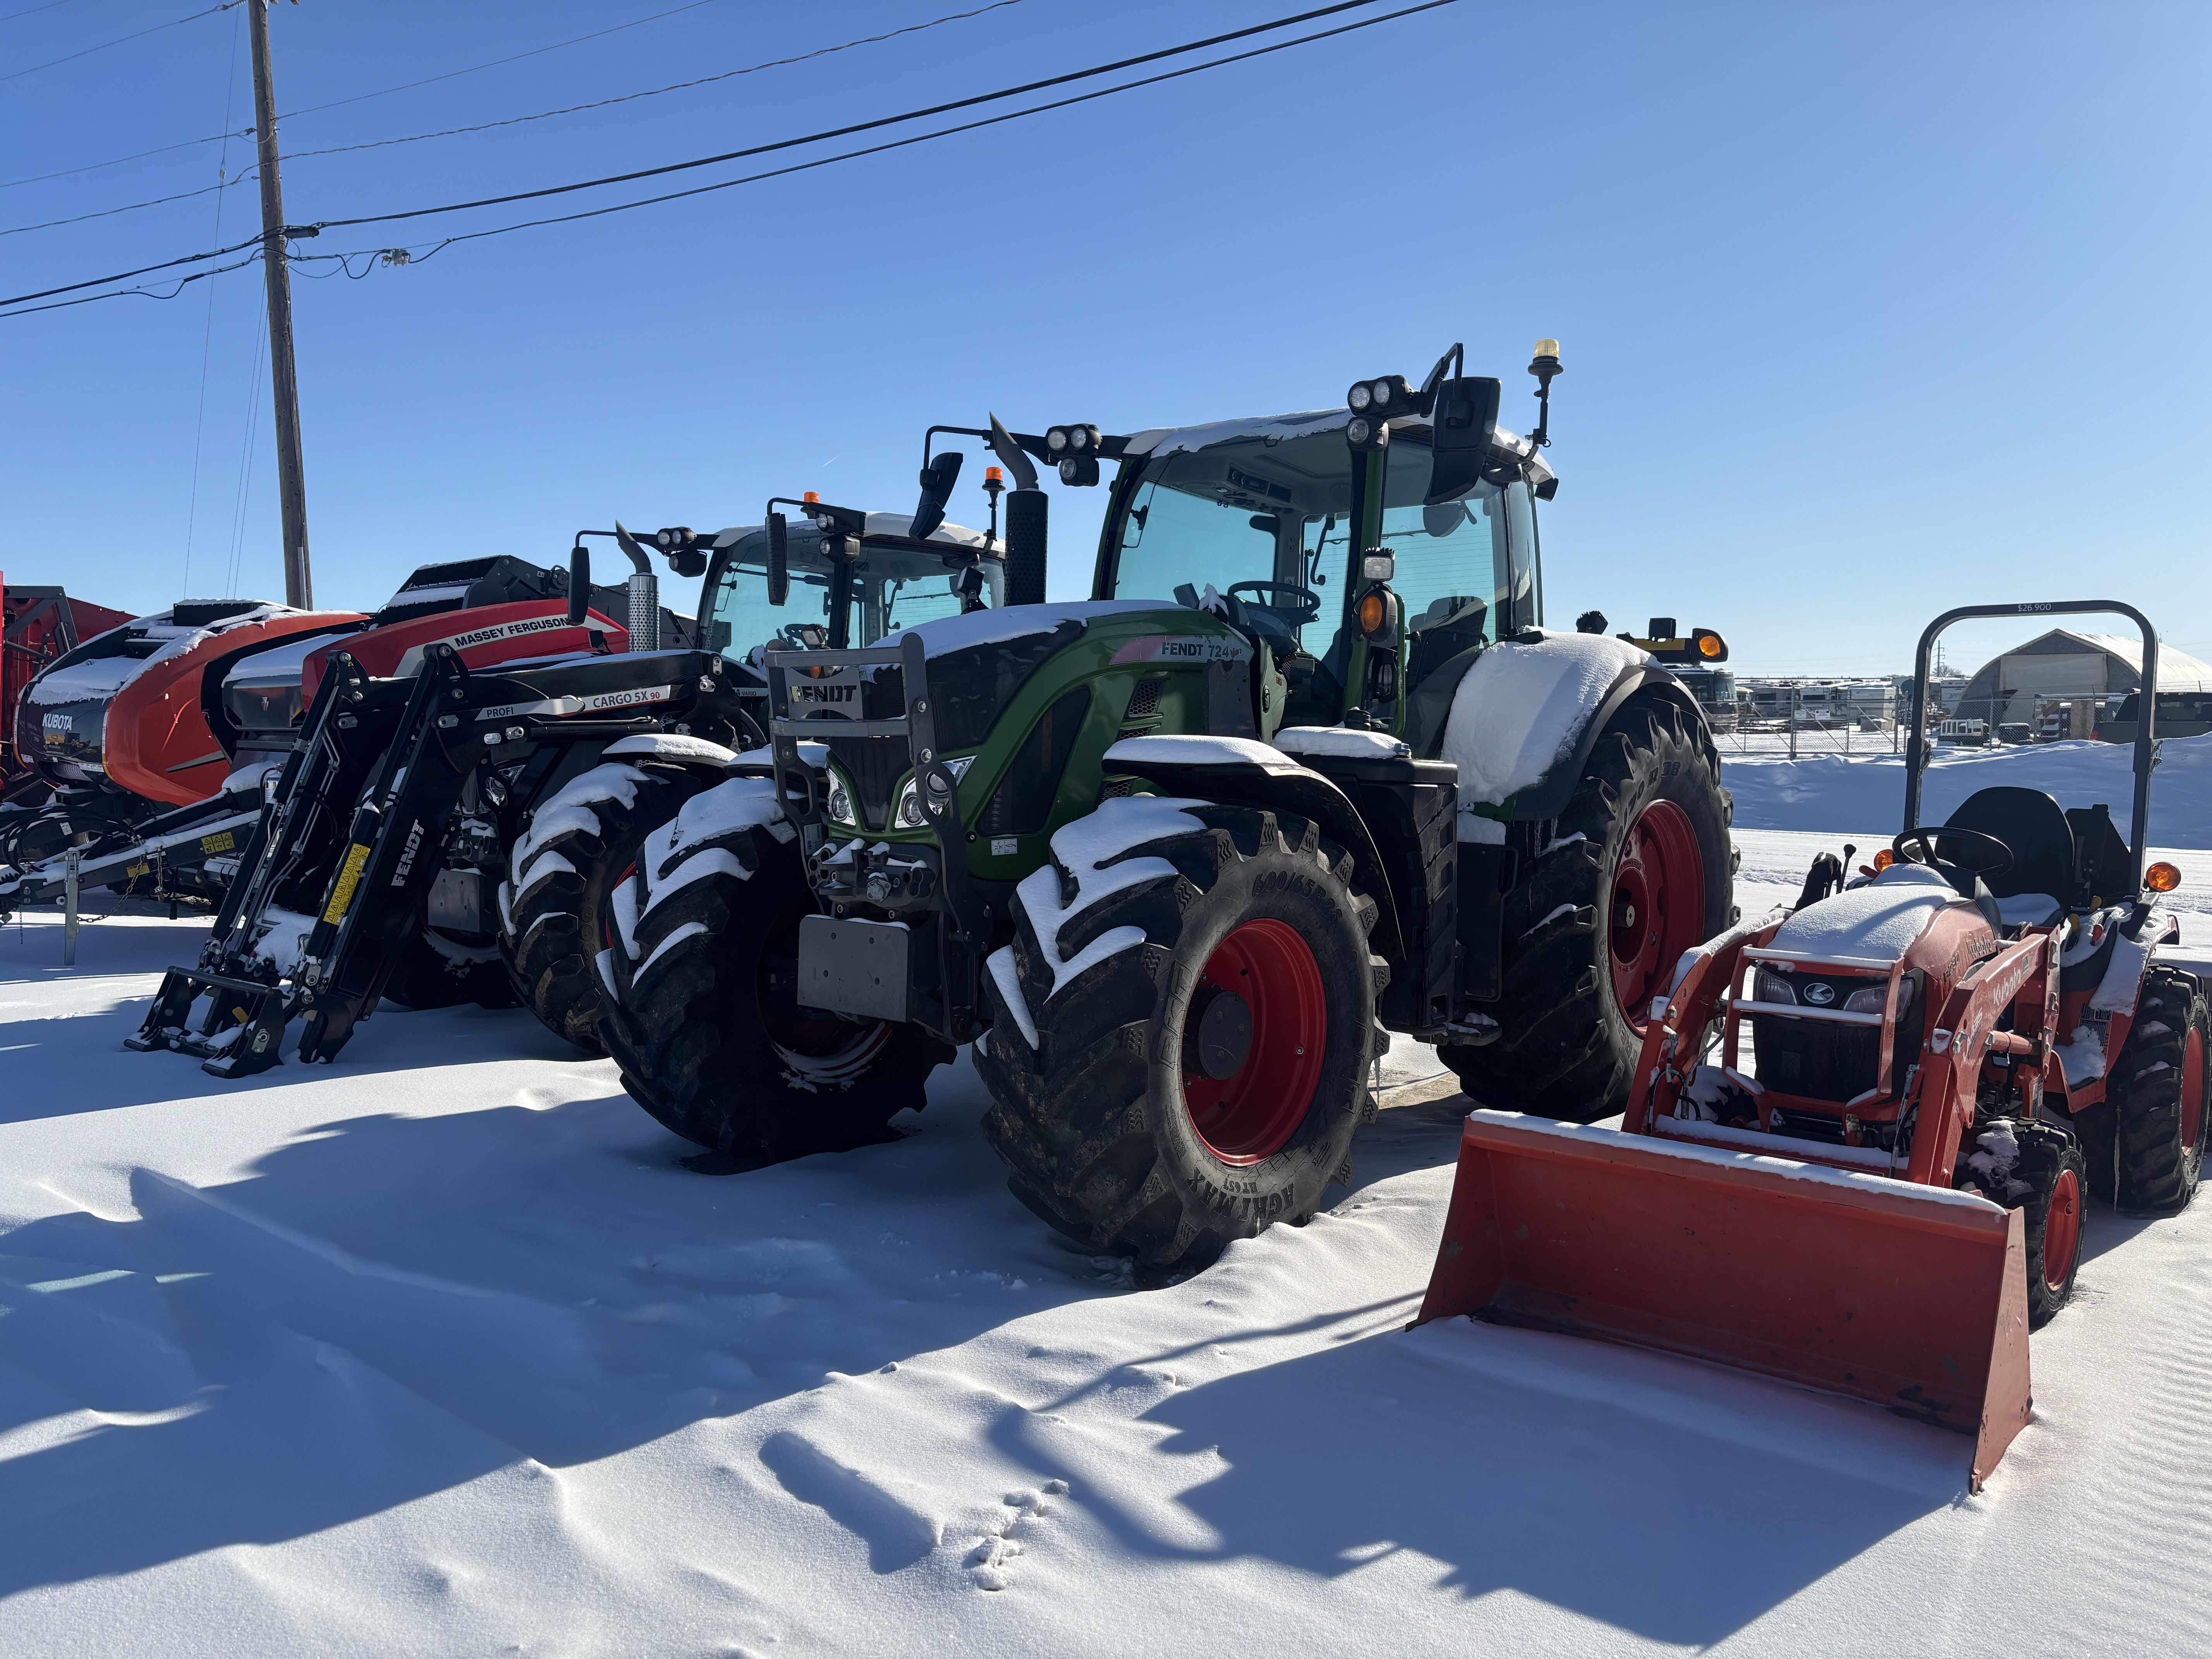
(1306, 769)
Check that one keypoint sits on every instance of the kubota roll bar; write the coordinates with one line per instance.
(1916, 752)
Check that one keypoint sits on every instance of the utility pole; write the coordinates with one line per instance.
(284, 381)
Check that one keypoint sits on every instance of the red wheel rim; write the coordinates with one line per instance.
(1656, 907)
(2192, 1088)
(1251, 1115)
(2062, 1230)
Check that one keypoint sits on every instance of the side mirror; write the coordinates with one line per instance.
(779, 559)
(579, 584)
(1465, 421)
(937, 481)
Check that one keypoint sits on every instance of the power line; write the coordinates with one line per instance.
(486, 126)
(183, 282)
(1343, 6)
(896, 144)
(119, 39)
(49, 6)
(535, 52)
(655, 92)
(188, 143)
(125, 276)
(207, 335)
(140, 155)
(109, 213)
(858, 126)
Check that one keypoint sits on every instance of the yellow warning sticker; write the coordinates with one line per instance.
(138, 870)
(222, 843)
(349, 879)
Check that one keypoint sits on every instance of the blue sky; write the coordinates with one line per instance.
(1867, 310)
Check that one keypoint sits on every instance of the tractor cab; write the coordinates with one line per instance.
(1284, 526)
(896, 581)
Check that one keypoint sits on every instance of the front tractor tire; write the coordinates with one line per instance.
(704, 971)
(1638, 870)
(1183, 1030)
(557, 911)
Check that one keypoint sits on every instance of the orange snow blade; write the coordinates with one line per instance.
(1914, 1297)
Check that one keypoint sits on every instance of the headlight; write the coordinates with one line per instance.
(1055, 439)
(1770, 987)
(1360, 397)
(1382, 389)
(908, 816)
(1079, 437)
(1359, 429)
(840, 799)
(1870, 1000)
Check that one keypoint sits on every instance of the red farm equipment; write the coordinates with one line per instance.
(38, 626)
(1950, 1054)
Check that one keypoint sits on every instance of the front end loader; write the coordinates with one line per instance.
(1884, 1191)
(425, 739)
(1304, 770)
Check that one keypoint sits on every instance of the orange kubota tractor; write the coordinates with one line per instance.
(1949, 1054)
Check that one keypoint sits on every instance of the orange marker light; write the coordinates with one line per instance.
(813, 496)
(992, 475)
(2162, 877)
(1709, 645)
(1883, 860)
(1373, 612)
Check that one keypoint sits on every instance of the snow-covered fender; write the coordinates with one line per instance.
(1249, 773)
(1531, 708)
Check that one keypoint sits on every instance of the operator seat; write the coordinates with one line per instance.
(2034, 826)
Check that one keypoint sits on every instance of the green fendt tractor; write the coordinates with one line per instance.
(1306, 769)
(556, 910)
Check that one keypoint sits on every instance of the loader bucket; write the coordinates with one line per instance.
(1914, 1297)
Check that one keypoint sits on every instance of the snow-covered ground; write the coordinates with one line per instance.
(1866, 793)
(440, 1351)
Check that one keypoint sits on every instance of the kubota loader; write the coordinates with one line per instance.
(1948, 1055)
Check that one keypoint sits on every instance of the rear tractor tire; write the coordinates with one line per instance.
(1640, 869)
(2159, 1099)
(1184, 1030)
(704, 971)
(556, 908)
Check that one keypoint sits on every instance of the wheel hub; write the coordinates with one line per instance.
(1658, 907)
(1253, 1034)
(2061, 1232)
(1221, 1036)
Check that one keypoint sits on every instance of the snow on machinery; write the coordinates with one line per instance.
(557, 905)
(134, 731)
(1951, 1053)
(1205, 850)
(482, 688)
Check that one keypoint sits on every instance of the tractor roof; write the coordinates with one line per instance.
(895, 524)
(1169, 440)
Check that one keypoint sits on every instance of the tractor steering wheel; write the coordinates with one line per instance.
(1304, 605)
(1924, 836)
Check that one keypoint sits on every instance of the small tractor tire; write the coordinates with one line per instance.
(2159, 1108)
(2054, 1206)
(706, 1026)
(1640, 869)
(555, 909)
(1202, 1081)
